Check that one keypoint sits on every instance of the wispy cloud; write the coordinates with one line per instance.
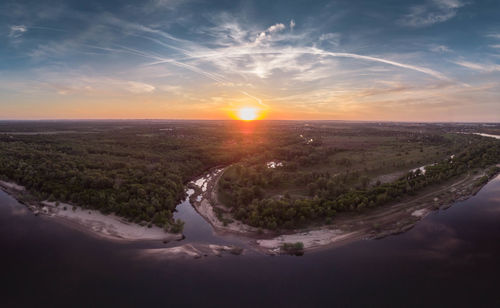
(140, 87)
(332, 38)
(265, 35)
(92, 86)
(217, 58)
(439, 48)
(280, 57)
(432, 12)
(17, 31)
(479, 66)
(493, 35)
(240, 55)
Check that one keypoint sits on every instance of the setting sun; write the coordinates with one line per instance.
(247, 114)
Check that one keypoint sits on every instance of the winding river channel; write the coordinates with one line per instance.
(198, 230)
(449, 258)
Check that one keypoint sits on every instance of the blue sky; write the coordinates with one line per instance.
(435, 60)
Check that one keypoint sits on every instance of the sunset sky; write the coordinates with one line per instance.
(435, 60)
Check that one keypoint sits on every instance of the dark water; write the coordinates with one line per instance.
(450, 259)
(198, 230)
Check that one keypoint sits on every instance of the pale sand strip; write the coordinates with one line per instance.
(108, 226)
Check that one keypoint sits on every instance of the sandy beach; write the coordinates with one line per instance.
(107, 226)
(310, 239)
(190, 251)
(11, 186)
(95, 223)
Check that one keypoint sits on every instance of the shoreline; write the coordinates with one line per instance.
(113, 228)
(373, 223)
(376, 223)
(90, 221)
(190, 251)
(203, 200)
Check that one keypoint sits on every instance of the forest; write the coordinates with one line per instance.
(312, 183)
(282, 174)
(136, 170)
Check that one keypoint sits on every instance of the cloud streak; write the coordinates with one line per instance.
(311, 51)
(211, 57)
(17, 31)
(433, 12)
(479, 66)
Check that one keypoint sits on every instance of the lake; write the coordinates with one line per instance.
(451, 258)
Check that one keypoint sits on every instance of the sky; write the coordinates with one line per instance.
(427, 60)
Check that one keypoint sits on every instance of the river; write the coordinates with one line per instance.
(449, 258)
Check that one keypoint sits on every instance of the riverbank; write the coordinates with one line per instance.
(92, 222)
(346, 227)
(205, 202)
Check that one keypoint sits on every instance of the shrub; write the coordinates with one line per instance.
(296, 248)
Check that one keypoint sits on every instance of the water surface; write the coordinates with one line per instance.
(451, 258)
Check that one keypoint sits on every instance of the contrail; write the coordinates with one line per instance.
(320, 52)
(255, 98)
(230, 52)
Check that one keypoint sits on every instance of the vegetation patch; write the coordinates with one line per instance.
(326, 181)
(296, 249)
(320, 169)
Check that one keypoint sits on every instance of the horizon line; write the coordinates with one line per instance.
(232, 120)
